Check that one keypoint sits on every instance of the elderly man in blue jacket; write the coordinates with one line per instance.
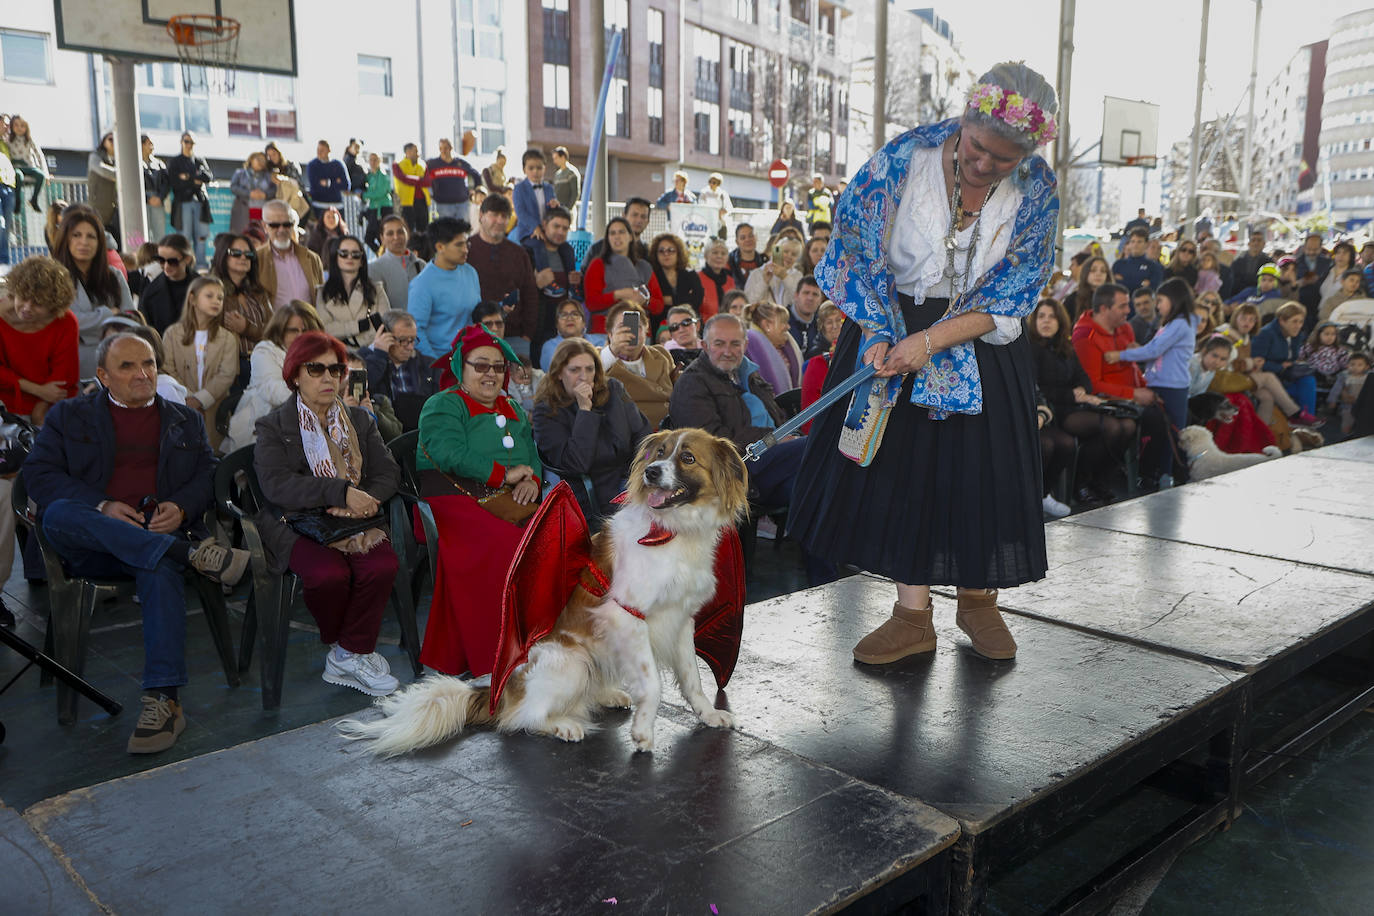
(122, 479)
(532, 196)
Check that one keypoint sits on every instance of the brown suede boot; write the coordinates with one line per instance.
(979, 617)
(906, 632)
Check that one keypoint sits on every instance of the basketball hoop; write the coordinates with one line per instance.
(208, 48)
(1144, 162)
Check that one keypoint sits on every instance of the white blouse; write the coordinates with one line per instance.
(917, 254)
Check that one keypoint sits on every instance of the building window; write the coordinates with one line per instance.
(262, 105)
(479, 28)
(25, 56)
(823, 151)
(374, 75)
(557, 64)
(706, 48)
(617, 13)
(741, 134)
(747, 11)
(841, 153)
(741, 76)
(655, 97)
(706, 127)
(655, 94)
(557, 96)
(484, 115)
(162, 105)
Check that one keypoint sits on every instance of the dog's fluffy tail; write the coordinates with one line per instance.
(426, 713)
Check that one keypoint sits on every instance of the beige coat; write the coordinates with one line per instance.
(341, 318)
(310, 265)
(221, 368)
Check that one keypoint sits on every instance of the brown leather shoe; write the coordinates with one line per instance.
(906, 632)
(979, 617)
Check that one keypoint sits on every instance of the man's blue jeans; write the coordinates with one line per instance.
(195, 230)
(99, 546)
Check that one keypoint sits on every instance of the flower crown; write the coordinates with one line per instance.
(1014, 109)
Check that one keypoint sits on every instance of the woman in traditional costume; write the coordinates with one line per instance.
(942, 244)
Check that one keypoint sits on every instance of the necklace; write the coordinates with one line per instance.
(956, 207)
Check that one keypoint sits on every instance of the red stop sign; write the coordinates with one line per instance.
(778, 173)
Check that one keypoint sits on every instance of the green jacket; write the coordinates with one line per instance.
(377, 196)
(464, 439)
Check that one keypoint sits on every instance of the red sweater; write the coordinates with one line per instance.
(138, 431)
(1090, 342)
(42, 356)
(599, 299)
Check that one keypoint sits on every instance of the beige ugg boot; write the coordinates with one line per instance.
(906, 632)
(979, 617)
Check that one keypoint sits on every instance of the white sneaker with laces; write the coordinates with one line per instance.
(1053, 507)
(368, 673)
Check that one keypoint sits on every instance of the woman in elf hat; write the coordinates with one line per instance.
(473, 440)
(941, 246)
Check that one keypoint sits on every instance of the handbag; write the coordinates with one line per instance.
(16, 438)
(499, 501)
(323, 528)
(865, 423)
(1297, 370)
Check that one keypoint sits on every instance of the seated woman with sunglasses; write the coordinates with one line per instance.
(162, 301)
(247, 304)
(350, 304)
(473, 440)
(315, 454)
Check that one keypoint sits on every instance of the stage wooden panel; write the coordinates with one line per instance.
(31, 879)
(1014, 750)
(1255, 511)
(303, 821)
(1229, 608)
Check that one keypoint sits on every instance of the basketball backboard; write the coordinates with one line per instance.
(137, 29)
(1130, 132)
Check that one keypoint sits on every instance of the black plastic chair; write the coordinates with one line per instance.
(417, 556)
(789, 401)
(238, 492)
(225, 412)
(72, 601)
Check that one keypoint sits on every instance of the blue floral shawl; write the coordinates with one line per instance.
(855, 274)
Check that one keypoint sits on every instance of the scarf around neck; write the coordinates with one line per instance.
(329, 449)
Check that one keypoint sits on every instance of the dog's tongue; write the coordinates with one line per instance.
(658, 497)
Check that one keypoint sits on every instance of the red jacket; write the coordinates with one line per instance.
(599, 299)
(1090, 342)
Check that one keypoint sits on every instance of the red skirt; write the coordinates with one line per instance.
(475, 550)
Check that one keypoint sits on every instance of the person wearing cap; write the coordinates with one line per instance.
(677, 194)
(1265, 290)
(715, 195)
(1138, 269)
(472, 437)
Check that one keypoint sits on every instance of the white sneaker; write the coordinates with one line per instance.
(369, 673)
(1053, 507)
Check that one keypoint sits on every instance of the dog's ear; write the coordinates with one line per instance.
(729, 476)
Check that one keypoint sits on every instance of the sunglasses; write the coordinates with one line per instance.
(241, 253)
(351, 255)
(484, 368)
(1187, 251)
(315, 370)
(277, 225)
(667, 251)
(684, 323)
(164, 261)
(406, 341)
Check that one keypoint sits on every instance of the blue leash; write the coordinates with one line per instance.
(806, 416)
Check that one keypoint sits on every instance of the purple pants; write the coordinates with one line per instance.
(345, 592)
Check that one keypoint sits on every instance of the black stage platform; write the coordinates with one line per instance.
(1183, 645)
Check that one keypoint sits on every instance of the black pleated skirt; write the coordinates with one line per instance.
(944, 502)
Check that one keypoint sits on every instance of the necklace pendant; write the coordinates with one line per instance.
(951, 243)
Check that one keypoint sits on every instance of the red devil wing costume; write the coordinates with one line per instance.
(555, 557)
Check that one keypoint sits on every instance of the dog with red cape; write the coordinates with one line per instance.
(589, 620)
